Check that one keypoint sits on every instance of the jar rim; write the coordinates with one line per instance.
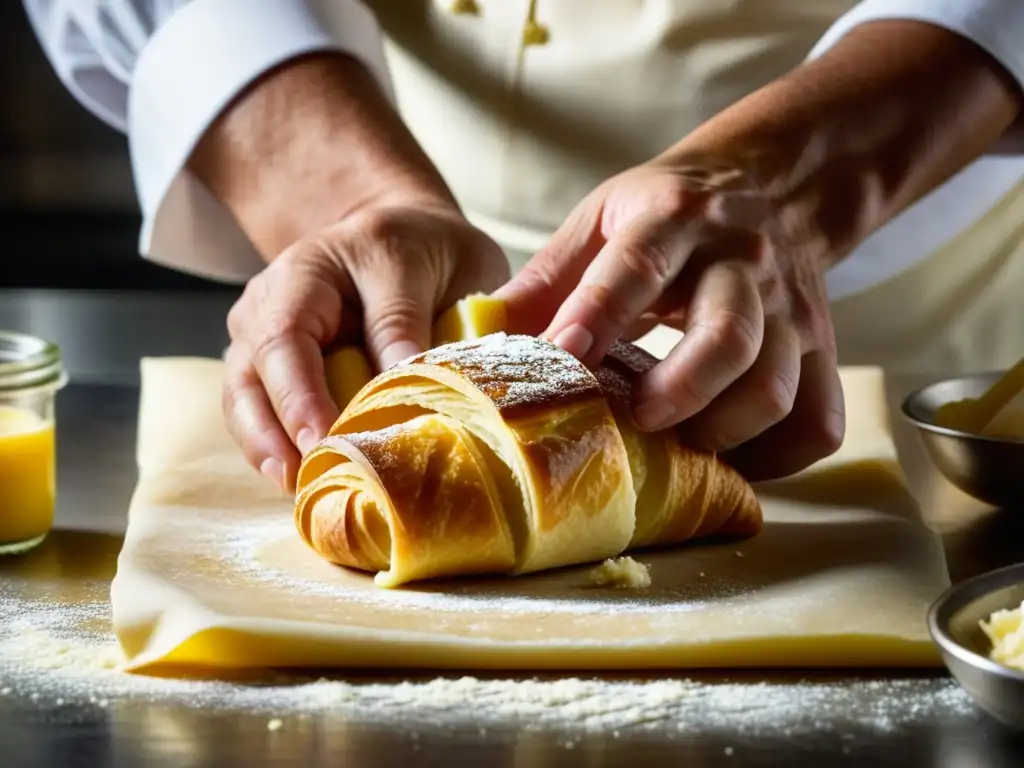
(28, 362)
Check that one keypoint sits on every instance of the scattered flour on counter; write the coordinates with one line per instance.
(67, 654)
(244, 552)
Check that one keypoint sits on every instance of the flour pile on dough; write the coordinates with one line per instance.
(1005, 629)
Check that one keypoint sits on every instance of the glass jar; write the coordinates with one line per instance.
(31, 374)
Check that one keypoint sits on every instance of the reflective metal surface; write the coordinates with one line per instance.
(96, 443)
(77, 280)
(953, 622)
(103, 333)
(990, 469)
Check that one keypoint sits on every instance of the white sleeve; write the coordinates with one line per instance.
(162, 71)
(996, 26)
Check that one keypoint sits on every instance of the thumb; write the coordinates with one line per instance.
(532, 297)
(397, 311)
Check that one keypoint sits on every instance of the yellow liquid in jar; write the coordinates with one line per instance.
(28, 483)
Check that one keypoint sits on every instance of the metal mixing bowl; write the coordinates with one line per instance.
(953, 623)
(991, 469)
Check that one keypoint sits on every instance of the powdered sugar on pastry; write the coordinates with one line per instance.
(516, 372)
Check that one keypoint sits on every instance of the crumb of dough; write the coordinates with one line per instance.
(1005, 628)
(621, 572)
(739, 554)
(275, 724)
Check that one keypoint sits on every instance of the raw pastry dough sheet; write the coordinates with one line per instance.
(212, 572)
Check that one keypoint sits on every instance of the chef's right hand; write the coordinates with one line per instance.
(364, 243)
(380, 275)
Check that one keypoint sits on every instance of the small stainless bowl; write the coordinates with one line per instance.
(953, 623)
(991, 469)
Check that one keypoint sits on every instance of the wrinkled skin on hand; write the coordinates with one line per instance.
(379, 276)
(699, 246)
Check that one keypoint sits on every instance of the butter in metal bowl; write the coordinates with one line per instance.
(1005, 630)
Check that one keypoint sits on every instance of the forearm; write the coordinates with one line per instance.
(846, 142)
(308, 144)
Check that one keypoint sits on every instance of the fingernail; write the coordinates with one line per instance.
(654, 414)
(273, 470)
(576, 340)
(397, 352)
(306, 440)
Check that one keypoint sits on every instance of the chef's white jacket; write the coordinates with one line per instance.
(161, 70)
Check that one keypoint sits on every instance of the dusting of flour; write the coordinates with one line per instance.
(268, 553)
(63, 655)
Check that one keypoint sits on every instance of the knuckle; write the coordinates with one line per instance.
(737, 337)
(293, 405)
(649, 261)
(238, 315)
(275, 326)
(675, 198)
(235, 321)
(689, 389)
(778, 393)
(393, 316)
(607, 304)
(379, 225)
(827, 432)
(310, 249)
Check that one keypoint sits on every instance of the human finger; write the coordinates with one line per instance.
(722, 339)
(252, 423)
(534, 294)
(284, 318)
(291, 366)
(760, 398)
(813, 429)
(398, 304)
(626, 277)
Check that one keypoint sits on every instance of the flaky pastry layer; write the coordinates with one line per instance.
(506, 455)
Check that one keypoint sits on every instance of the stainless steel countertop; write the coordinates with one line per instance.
(96, 434)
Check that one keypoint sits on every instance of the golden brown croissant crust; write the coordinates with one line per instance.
(506, 455)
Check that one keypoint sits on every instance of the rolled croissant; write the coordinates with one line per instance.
(506, 455)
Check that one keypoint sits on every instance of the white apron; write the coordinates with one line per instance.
(523, 132)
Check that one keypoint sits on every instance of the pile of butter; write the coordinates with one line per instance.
(1005, 629)
(997, 413)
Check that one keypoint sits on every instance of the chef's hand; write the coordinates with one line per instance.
(726, 235)
(364, 243)
(381, 276)
(699, 248)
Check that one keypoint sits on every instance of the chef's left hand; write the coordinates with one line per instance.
(699, 247)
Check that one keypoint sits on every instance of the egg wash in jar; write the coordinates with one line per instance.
(31, 374)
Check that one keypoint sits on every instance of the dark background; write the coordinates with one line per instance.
(70, 270)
